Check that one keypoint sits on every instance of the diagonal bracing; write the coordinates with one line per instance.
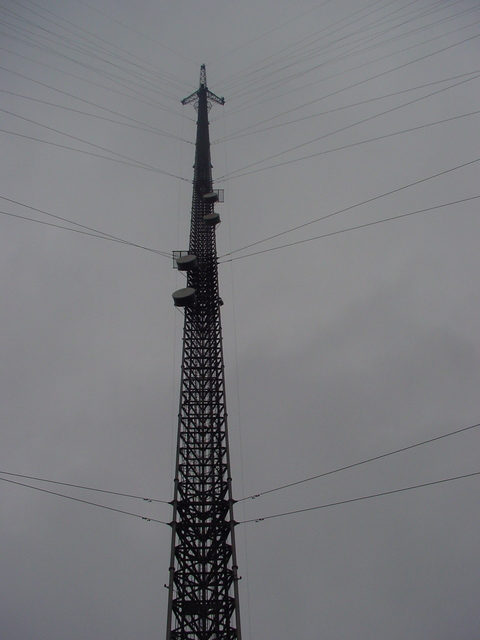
(203, 585)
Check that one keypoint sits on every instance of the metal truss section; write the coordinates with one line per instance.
(203, 585)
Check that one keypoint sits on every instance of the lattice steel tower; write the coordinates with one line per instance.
(203, 585)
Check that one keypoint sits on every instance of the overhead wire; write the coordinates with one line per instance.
(136, 97)
(330, 61)
(79, 486)
(254, 496)
(125, 159)
(362, 462)
(359, 499)
(309, 156)
(144, 127)
(238, 170)
(71, 95)
(246, 131)
(389, 135)
(258, 519)
(143, 35)
(374, 139)
(85, 233)
(368, 224)
(354, 206)
(97, 53)
(68, 135)
(314, 54)
(158, 88)
(237, 388)
(169, 79)
(268, 83)
(91, 231)
(429, 25)
(93, 504)
(272, 30)
(129, 160)
(355, 228)
(333, 76)
(132, 85)
(95, 155)
(301, 145)
(236, 80)
(324, 506)
(337, 74)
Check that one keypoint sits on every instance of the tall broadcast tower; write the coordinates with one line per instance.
(203, 584)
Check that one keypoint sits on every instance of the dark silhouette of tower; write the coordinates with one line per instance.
(203, 585)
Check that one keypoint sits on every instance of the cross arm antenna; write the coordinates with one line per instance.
(203, 87)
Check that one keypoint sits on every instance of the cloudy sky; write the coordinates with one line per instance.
(348, 148)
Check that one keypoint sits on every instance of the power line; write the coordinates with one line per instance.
(95, 146)
(377, 138)
(373, 495)
(346, 127)
(166, 78)
(93, 504)
(358, 464)
(263, 35)
(150, 102)
(360, 226)
(102, 233)
(96, 155)
(143, 127)
(315, 53)
(330, 47)
(143, 35)
(353, 206)
(278, 515)
(245, 131)
(361, 82)
(78, 486)
(241, 84)
(352, 144)
(115, 75)
(298, 58)
(85, 233)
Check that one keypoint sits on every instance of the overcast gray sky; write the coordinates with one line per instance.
(337, 348)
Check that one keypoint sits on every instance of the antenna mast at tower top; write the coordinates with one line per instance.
(203, 87)
(203, 601)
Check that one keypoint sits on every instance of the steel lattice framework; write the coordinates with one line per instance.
(203, 585)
